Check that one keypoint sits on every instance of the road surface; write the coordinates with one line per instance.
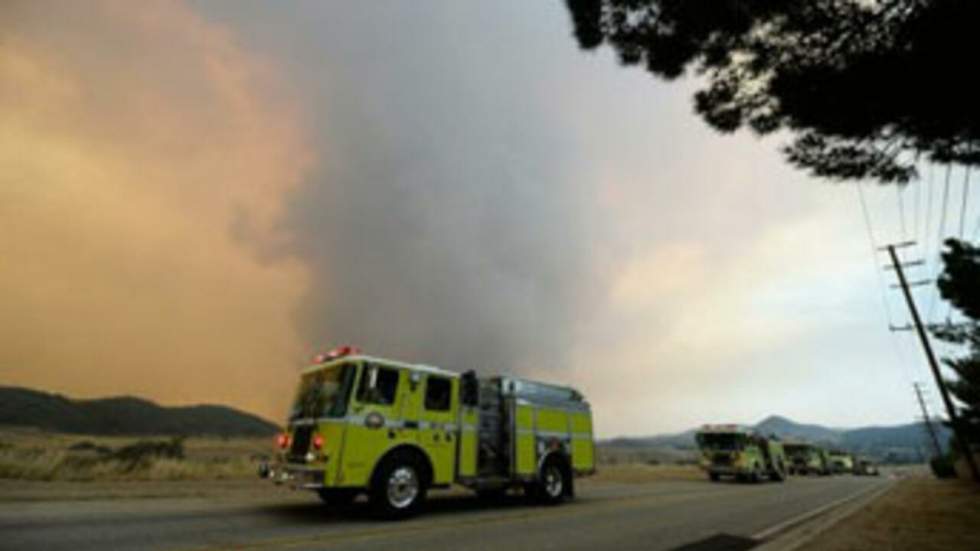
(663, 515)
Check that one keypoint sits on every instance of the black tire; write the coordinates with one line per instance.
(399, 486)
(714, 477)
(335, 497)
(554, 482)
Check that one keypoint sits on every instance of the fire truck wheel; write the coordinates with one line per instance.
(713, 476)
(399, 487)
(555, 482)
(337, 497)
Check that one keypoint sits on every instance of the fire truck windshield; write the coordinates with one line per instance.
(721, 441)
(323, 393)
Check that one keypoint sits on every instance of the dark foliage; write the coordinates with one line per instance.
(88, 446)
(960, 285)
(144, 451)
(942, 467)
(866, 88)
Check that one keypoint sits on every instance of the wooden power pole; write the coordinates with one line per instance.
(928, 422)
(954, 422)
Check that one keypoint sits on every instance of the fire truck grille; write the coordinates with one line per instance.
(301, 442)
(722, 459)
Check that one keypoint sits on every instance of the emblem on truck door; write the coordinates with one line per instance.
(374, 420)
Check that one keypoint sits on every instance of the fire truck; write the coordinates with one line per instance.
(394, 430)
(732, 450)
(806, 459)
(841, 462)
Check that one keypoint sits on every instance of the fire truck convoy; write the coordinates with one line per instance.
(392, 430)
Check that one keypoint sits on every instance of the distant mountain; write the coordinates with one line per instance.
(124, 415)
(900, 443)
(785, 428)
(681, 440)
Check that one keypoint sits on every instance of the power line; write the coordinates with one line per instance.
(916, 206)
(966, 199)
(939, 244)
(903, 356)
(901, 210)
(874, 251)
(928, 224)
(963, 206)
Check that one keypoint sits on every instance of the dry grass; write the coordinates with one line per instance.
(642, 474)
(920, 513)
(30, 455)
(33, 455)
(613, 455)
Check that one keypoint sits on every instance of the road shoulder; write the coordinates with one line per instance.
(916, 513)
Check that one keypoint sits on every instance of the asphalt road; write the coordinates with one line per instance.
(662, 515)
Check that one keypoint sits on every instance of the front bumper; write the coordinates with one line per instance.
(725, 469)
(295, 476)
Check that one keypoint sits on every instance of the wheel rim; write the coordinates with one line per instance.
(552, 482)
(403, 487)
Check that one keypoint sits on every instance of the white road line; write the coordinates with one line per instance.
(799, 519)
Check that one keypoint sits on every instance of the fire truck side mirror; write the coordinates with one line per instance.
(470, 389)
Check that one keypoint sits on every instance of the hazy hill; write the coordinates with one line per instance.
(785, 428)
(898, 443)
(123, 415)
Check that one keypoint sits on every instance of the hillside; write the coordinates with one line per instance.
(123, 416)
(900, 443)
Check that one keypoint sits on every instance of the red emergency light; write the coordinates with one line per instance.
(318, 441)
(282, 440)
(338, 352)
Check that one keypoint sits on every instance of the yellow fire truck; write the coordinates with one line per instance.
(392, 430)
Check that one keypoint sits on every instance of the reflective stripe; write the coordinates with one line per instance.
(567, 407)
(388, 423)
(552, 434)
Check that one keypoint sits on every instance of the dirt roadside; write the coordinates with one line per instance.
(919, 513)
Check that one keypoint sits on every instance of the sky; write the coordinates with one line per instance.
(197, 197)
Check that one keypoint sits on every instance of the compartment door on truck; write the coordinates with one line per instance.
(583, 448)
(437, 425)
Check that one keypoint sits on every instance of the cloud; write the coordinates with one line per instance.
(147, 160)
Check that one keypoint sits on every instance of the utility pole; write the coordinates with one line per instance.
(933, 364)
(927, 421)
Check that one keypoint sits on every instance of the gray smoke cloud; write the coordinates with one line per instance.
(440, 228)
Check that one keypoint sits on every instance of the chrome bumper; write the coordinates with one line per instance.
(295, 476)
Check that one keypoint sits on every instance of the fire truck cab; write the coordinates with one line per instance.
(392, 430)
